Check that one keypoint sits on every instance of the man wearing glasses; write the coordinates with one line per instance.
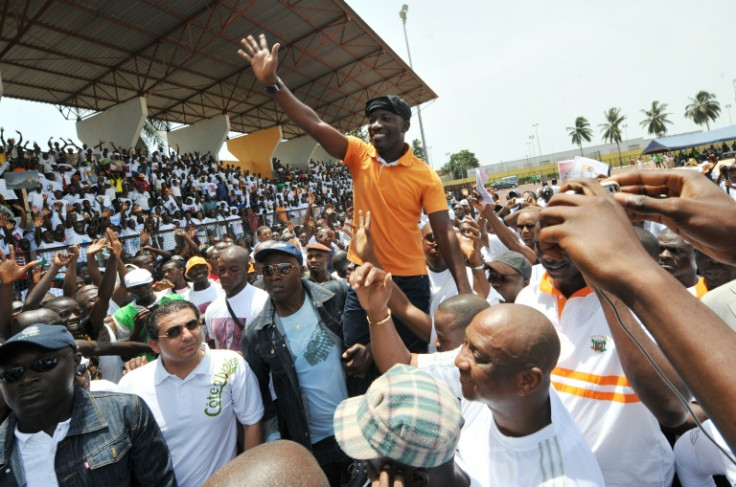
(297, 342)
(196, 394)
(58, 434)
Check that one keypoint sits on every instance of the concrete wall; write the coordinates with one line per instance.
(207, 135)
(255, 149)
(120, 124)
(295, 152)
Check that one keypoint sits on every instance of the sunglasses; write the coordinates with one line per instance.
(528, 226)
(81, 370)
(175, 331)
(14, 374)
(282, 269)
(429, 238)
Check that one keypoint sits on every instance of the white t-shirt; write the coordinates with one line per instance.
(202, 299)
(622, 432)
(555, 455)
(38, 452)
(246, 305)
(197, 414)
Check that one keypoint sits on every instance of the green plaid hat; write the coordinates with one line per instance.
(406, 415)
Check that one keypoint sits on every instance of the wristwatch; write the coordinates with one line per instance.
(274, 88)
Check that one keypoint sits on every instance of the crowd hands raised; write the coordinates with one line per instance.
(572, 335)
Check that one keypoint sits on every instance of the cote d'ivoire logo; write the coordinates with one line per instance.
(219, 381)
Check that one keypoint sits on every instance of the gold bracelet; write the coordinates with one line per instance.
(380, 322)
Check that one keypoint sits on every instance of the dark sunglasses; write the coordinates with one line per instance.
(175, 331)
(429, 237)
(81, 370)
(528, 226)
(282, 269)
(14, 374)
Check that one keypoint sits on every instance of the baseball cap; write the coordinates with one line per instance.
(137, 277)
(50, 337)
(515, 260)
(406, 415)
(197, 260)
(318, 246)
(392, 103)
(283, 247)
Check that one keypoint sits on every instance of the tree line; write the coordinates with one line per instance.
(702, 109)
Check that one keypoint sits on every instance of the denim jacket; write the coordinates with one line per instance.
(266, 351)
(113, 439)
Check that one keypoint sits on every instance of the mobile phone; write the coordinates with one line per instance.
(611, 187)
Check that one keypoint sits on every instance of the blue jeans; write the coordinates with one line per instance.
(355, 324)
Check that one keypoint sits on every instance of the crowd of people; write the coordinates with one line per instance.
(167, 320)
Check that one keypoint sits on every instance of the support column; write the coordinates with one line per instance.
(255, 149)
(203, 136)
(121, 124)
(295, 152)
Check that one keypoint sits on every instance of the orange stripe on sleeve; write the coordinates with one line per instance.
(602, 380)
(597, 395)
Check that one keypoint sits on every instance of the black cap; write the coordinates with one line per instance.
(392, 103)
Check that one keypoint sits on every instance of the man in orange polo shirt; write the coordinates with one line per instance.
(388, 181)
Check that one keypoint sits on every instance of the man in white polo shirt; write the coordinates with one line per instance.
(196, 394)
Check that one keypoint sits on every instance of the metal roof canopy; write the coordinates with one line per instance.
(684, 141)
(181, 56)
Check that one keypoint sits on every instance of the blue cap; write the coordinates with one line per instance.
(268, 248)
(51, 337)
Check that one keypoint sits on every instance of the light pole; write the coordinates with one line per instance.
(625, 126)
(729, 113)
(402, 14)
(531, 145)
(536, 132)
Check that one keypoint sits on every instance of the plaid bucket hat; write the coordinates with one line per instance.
(406, 415)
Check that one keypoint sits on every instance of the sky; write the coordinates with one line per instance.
(500, 66)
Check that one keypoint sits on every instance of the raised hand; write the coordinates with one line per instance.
(373, 287)
(61, 259)
(688, 203)
(74, 251)
(10, 271)
(361, 240)
(261, 59)
(311, 199)
(163, 285)
(97, 246)
(470, 245)
(145, 238)
(114, 244)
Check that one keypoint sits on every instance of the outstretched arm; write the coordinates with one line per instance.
(264, 63)
(449, 247)
(373, 287)
(10, 272)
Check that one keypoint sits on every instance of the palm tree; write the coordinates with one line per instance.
(704, 107)
(612, 129)
(656, 119)
(151, 133)
(580, 132)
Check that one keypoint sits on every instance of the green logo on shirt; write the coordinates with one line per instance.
(219, 381)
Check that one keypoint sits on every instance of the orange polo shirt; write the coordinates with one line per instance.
(395, 196)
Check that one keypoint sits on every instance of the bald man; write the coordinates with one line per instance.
(228, 315)
(517, 432)
(677, 257)
(280, 463)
